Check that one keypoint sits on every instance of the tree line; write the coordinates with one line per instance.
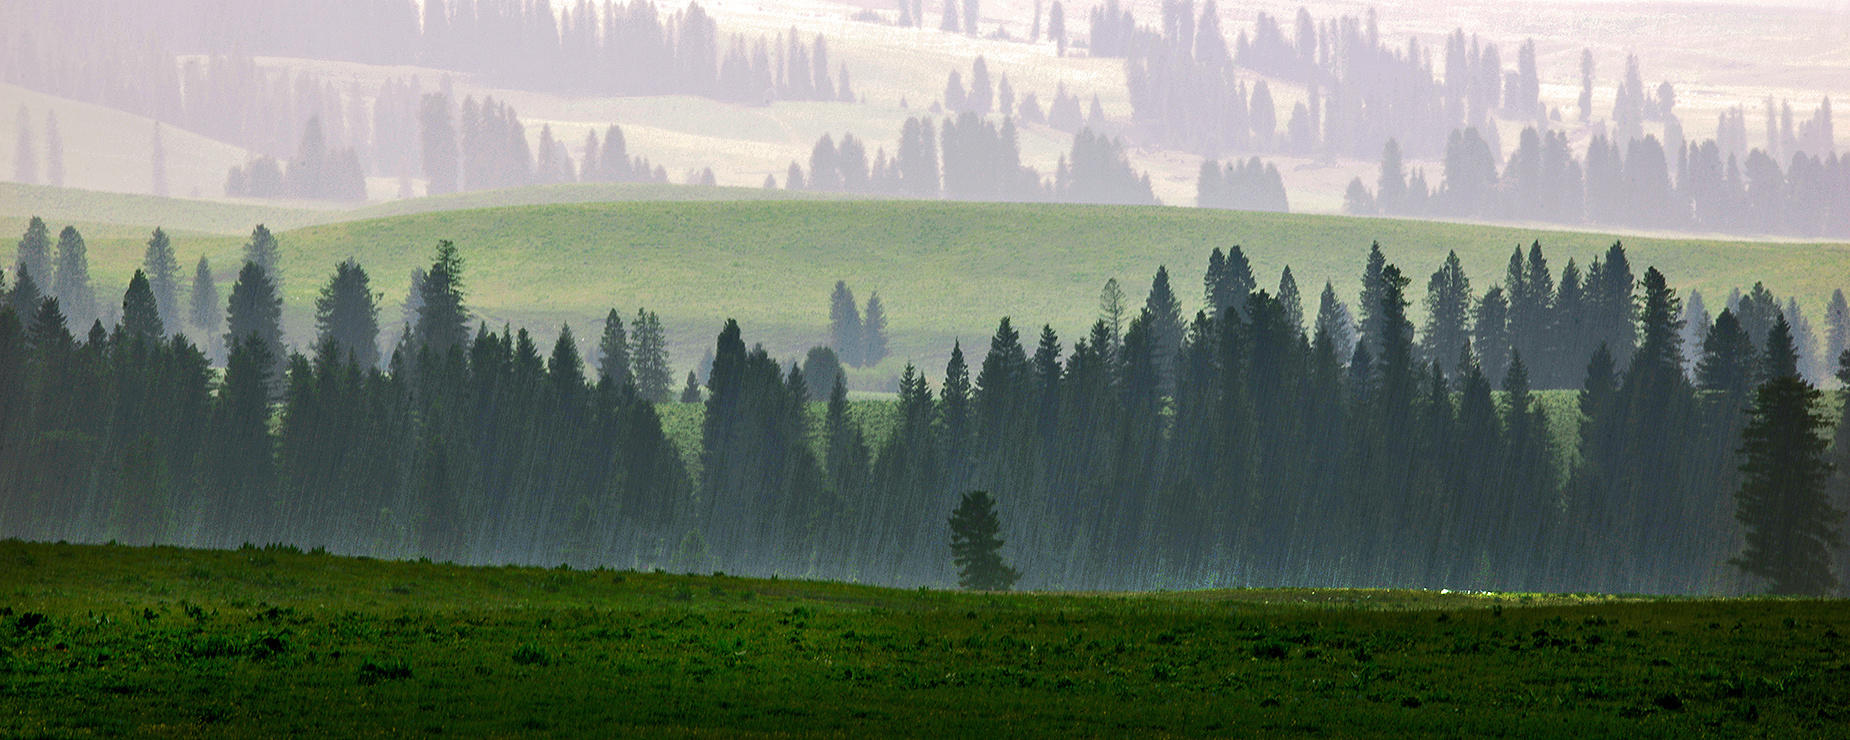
(857, 337)
(26, 150)
(971, 158)
(1239, 446)
(193, 65)
(483, 146)
(1643, 184)
(315, 173)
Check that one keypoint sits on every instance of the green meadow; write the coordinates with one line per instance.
(156, 642)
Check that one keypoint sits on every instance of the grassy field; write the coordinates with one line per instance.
(946, 271)
(155, 642)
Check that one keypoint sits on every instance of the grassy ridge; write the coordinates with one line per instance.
(946, 271)
(167, 642)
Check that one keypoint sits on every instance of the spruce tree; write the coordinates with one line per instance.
(163, 271)
(1291, 301)
(1659, 358)
(1396, 366)
(690, 393)
(873, 331)
(25, 296)
(1165, 326)
(48, 333)
(255, 311)
(443, 318)
(845, 333)
(72, 283)
(35, 250)
(1783, 506)
(613, 352)
(141, 316)
(649, 358)
(1448, 309)
(1729, 362)
(1369, 302)
(1046, 371)
(1240, 281)
(263, 250)
(1615, 311)
(347, 314)
(1001, 386)
(1111, 310)
(976, 545)
(205, 316)
(566, 367)
(1334, 321)
(954, 403)
(1214, 290)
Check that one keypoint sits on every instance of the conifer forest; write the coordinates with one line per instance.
(1251, 443)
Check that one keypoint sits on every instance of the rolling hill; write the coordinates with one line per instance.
(946, 271)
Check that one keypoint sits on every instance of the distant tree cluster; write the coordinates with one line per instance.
(972, 159)
(858, 338)
(1185, 92)
(611, 48)
(490, 151)
(315, 174)
(637, 356)
(26, 150)
(1694, 186)
(61, 271)
(1251, 185)
(192, 63)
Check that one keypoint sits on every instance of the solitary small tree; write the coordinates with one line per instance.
(976, 546)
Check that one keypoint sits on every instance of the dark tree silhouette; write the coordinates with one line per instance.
(347, 314)
(1791, 527)
(255, 313)
(443, 319)
(163, 271)
(976, 545)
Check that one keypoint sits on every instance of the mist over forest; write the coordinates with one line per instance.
(1577, 421)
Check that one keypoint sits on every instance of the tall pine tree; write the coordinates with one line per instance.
(255, 312)
(1783, 506)
(141, 317)
(163, 271)
(347, 314)
(443, 318)
(205, 316)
